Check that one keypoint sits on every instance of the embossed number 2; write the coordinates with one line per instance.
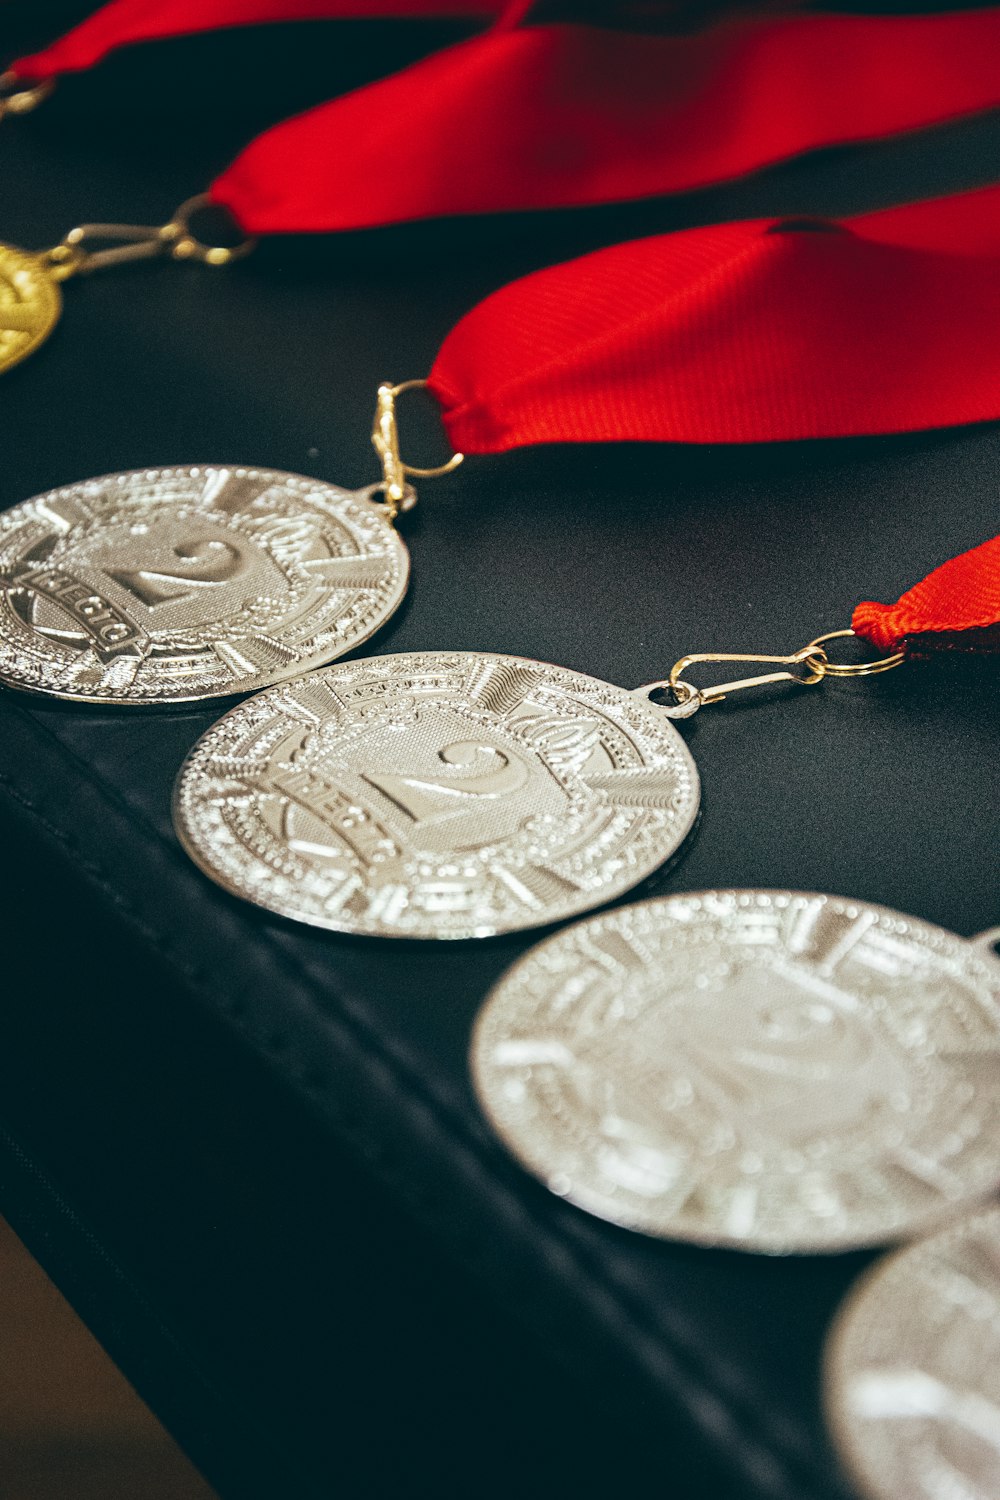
(427, 797)
(207, 562)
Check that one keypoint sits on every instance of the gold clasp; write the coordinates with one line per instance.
(396, 489)
(812, 662)
(806, 658)
(71, 257)
(17, 98)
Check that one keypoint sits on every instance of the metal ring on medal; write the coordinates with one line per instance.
(437, 795)
(912, 1382)
(171, 585)
(766, 1070)
(30, 304)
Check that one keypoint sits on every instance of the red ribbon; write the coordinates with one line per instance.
(554, 115)
(955, 608)
(127, 21)
(744, 332)
(741, 332)
(549, 116)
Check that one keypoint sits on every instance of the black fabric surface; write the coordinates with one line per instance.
(248, 1150)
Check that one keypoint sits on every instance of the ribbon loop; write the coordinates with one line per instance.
(956, 608)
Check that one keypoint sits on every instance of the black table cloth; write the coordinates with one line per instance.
(248, 1151)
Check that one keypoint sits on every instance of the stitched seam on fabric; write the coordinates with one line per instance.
(637, 1314)
(583, 1257)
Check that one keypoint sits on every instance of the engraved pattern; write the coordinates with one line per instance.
(913, 1369)
(30, 303)
(170, 585)
(436, 795)
(767, 1070)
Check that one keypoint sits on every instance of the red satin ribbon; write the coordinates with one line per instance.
(124, 22)
(734, 333)
(550, 116)
(955, 608)
(557, 115)
(746, 332)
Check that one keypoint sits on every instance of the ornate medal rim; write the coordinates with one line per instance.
(595, 1204)
(836, 1368)
(49, 301)
(685, 825)
(298, 669)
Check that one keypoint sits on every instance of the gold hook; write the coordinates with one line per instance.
(19, 99)
(71, 256)
(183, 245)
(398, 492)
(812, 659)
(809, 657)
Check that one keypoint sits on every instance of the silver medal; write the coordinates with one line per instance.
(437, 795)
(171, 585)
(913, 1369)
(770, 1071)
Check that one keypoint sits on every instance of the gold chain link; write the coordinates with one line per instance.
(812, 662)
(72, 257)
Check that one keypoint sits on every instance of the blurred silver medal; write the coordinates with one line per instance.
(913, 1369)
(766, 1070)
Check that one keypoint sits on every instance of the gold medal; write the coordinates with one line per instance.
(30, 303)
